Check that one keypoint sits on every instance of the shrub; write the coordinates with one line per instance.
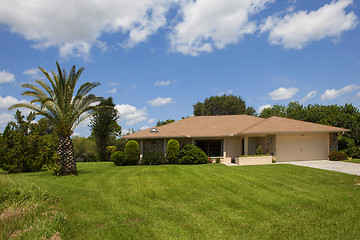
(217, 160)
(259, 150)
(190, 154)
(347, 145)
(132, 153)
(172, 151)
(84, 149)
(337, 156)
(117, 158)
(26, 146)
(153, 158)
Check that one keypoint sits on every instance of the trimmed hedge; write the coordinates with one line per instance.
(132, 153)
(190, 154)
(118, 158)
(153, 158)
(173, 151)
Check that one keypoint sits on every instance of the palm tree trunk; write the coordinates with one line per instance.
(65, 151)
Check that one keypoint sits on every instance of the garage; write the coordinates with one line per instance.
(299, 147)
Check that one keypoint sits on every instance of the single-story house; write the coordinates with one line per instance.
(230, 136)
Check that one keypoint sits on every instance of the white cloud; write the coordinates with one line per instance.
(283, 93)
(5, 118)
(151, 121)
(225, 92)
(112, 90)
(298, 29)
(209, 24)
(261, 108)
(308, 96)
(6, 102)
(6, 77)
(144, 127)
(76, 134)
(131, 114)
(34, 73)
(159, 101)
(162, 83)
(358, 95)
(76, 28)
(333, 93)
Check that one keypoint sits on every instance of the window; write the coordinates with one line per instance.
(212, 148)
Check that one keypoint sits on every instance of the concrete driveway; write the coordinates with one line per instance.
(337, 166)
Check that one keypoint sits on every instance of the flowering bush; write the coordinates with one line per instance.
(337, 156)
(209, 160)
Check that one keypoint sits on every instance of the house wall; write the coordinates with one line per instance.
(252, 146)
(271, 145)
(232, 148)
(184, 141)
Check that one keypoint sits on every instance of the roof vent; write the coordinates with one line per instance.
(154, 130)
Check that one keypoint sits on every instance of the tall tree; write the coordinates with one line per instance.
(65, 111)
(160, 123)
(104, 127)
(222, 105)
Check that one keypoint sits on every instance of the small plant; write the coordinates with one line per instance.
(338, 156)
(153, 158)
(259, 150)
(191, 154)
(132, 153)
(117, 158)
(172, 151)
(209, 160)
(217, 160)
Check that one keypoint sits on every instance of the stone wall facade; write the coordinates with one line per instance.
(333, 142)
(271, 145)
(152, 145)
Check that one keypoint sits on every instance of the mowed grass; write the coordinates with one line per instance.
(210, 201)
(353, 160)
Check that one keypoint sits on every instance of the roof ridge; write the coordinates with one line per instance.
(252, 125)
(305, 122)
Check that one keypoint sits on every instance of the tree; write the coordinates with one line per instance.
(26, 146)
(160, 123)
(222, 105)
(65, 111)
(172, 151)
(105, 127)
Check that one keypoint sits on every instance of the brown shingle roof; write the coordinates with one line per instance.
(230, 125)
(286, 125)
(200, 126)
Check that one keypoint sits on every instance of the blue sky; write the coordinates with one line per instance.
(157, 58)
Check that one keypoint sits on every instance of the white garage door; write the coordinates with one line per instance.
(301, 147)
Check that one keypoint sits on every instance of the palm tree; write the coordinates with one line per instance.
(65, 111)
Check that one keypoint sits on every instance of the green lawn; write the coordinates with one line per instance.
(210, 201)
(353, 160)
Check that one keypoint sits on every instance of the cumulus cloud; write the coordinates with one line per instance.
(75, 29)
(333, 93)
(34, 73)
(131, 114)
(6, 77)
(6, 102)
(144, 127)
(283, 93)
(308, 96)
(151, 121)
(162, 83)
(298, 29)
(207, 25)
(159, 101)
(261, 108)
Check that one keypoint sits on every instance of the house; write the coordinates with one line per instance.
(231, 136)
